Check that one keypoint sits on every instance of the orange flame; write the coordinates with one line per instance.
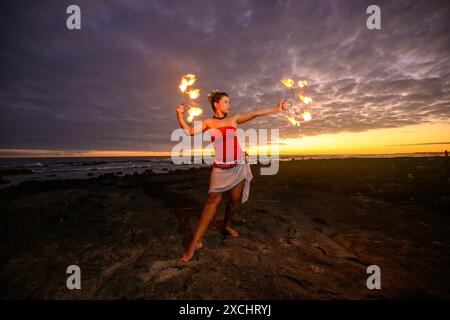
(189, 79)
(307, 116)
(193, 94)
(306, 100)
(288, 82)
(293, 121)
(302, 83)
(194, 112)
(186, 81)
(183, 87)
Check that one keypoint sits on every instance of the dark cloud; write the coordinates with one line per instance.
(113, 85)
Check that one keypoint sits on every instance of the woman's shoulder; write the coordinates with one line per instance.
(209, 123)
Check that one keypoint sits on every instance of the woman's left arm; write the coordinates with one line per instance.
(247, 116)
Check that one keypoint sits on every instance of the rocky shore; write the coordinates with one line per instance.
(309, 232)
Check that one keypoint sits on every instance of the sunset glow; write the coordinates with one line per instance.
(430, 137)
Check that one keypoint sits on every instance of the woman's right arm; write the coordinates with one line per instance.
(247, 116)
(189, 130)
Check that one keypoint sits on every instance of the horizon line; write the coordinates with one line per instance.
(285, 155)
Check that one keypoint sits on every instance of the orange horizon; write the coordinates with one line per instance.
(423, 138)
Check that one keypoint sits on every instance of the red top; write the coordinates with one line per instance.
(227, 150)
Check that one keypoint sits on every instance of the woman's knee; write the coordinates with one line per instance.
(213, 198)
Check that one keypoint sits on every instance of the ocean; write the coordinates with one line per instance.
(84, 168)
(90, 167)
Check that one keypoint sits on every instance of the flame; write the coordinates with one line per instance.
(288, 82)
(194, 112)
(305, 99)
(307, 116)
(295, 112)
(293, 121)
(186, 81)
(193, 94)
(302, 83)
(183, 86)
(189, 79)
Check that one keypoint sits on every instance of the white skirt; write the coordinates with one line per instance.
(225, 179)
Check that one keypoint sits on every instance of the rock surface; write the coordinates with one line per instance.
(309, 232)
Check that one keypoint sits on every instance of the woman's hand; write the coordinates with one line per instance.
(281, 105)
(180, 109)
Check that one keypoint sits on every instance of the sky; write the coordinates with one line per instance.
(111, 88)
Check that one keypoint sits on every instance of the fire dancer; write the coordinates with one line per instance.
(231, 168)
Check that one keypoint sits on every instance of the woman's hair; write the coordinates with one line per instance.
(215, 96)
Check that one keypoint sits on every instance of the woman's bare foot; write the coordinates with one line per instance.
(189, 253)
(231, 232)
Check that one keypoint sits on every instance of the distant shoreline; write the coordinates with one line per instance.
(283, 155)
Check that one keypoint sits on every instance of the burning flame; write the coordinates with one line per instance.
(307, 116)
(194, 112)
(189, 79)
(293, 121)
(288, 82)
(295, 112)
(302, 83)
(186, 81)
(183, 87)
(305, 99)
(194, 94)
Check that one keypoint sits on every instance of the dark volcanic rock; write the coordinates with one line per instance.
(12, 172)
(309, 232)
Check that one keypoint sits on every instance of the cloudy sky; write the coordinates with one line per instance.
(112, 86)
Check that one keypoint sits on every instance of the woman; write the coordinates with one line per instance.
(231, 170)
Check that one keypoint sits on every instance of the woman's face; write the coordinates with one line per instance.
(223, 105)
